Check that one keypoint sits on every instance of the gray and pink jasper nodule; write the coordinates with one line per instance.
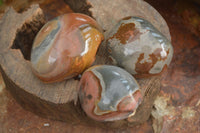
(137, 46)
(109, 93)
(65, 47)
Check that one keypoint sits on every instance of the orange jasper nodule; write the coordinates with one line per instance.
(109, 93)
(65, 47)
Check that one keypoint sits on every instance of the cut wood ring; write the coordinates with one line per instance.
(59, 101)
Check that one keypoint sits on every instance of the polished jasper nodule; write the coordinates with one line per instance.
(109, 93)
(65, 47)
(137, 46)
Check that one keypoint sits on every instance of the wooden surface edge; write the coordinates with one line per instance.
(67, 111)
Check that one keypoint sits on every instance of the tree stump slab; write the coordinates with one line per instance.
(59, 101)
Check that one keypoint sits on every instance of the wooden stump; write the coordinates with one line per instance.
(60, 100)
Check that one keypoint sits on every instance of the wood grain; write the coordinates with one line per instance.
(59, 100)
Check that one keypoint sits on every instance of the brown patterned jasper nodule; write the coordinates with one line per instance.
(109, 93)
(65, 47)
(137, 46)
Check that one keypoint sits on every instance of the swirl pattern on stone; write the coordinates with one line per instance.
(109, 93)
(65, 47)
(137, 46)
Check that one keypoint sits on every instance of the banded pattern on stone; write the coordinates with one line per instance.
(109, 93)
(65, 47)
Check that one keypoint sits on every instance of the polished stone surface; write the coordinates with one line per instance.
(181, 88)
(109, 93)
(137, 46)
(65, 47)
